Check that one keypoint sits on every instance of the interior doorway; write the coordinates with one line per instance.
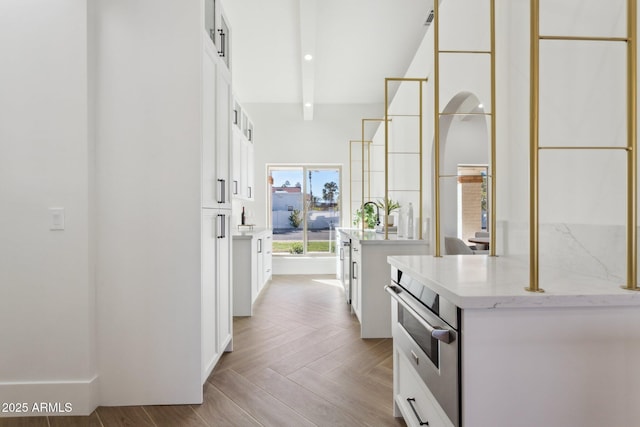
(472, 200)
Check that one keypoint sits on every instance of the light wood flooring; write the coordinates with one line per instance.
(298, 361)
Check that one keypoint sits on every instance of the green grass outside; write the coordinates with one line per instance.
(312, 246)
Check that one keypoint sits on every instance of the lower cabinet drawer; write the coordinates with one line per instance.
(415, 401)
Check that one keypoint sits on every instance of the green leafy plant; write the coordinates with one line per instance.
(388, 206)
(295, 218)
(369, 217)
(296, 248)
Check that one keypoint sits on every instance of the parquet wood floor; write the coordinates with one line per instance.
(298, 361)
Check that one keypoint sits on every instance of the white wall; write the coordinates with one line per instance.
(47, 286)
(148, 162)
(281, 136)
(582, 102)
(100, 115)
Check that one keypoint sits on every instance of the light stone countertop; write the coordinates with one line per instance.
(372, 237)
(248, 234)
(482, 281)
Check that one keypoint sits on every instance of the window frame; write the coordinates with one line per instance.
(305, 168)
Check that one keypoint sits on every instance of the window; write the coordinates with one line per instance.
(304, 208)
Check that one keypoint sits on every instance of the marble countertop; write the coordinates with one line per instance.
(248, 234)
(371, 237)
(482, 281)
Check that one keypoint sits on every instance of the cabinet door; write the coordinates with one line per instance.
(223, 248)
(257, 285)
(236, 172)
(223, 137)
(208, 288)
(355, 279)
(250, 183)
(209, 178)
(267, 254)
(243, 175)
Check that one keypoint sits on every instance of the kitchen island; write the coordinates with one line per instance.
(369, 272)
(565, 357)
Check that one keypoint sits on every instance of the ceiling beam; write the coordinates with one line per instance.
(307, 47)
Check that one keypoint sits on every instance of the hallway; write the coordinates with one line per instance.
(299, 361)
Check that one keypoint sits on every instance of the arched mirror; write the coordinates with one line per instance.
(465, 170)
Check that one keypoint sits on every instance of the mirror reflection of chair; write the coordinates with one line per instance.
(455, 246)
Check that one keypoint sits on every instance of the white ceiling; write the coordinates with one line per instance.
(357, 44)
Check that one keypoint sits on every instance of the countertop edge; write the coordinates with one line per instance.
(486, 297)
(371, 238)
(248, 234)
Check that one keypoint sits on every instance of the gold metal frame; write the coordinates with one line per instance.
(351, 186)
(535, 148)
(387, 119)
(437, 115)
(369, 165)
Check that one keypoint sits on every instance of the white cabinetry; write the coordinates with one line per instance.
(356, 262)
(412, 398)
(216, 287)
(216, 274)
(243, 151)
(369, 274)
(216, 131)
(251, 268)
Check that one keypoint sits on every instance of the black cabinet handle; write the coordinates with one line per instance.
(222, 231)
(235, 187)
(259, 246)
(411, 400)
(250, 196)
(223, 190)
(354, 268)
(222, 50)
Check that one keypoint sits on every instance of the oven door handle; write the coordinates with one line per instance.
(436, 333)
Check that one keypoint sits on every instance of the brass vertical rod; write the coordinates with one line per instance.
(492, 213)
(533, 147)
(362, 173)
(350, 183)
(436, 127)
(420, 155)
(368, 171)
(632, 155)
(386, 151)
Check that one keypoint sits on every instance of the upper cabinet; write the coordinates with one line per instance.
(217, 27)
(217, 110)
(243, 148)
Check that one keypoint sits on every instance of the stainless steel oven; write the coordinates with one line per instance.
(426, 330)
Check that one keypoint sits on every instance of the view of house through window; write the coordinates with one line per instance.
(305, 208)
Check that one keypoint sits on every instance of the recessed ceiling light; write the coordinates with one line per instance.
(308, 57)
(308, 104)
(480, 106)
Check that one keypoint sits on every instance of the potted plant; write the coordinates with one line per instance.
(388, 206)
(369, 217)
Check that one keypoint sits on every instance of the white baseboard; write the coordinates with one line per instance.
(303, 265)
(28, 399)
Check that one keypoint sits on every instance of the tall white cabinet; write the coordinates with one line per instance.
(216, 239)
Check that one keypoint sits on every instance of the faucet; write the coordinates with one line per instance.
(377, 211)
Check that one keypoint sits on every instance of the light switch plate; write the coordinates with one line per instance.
(56, 218)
